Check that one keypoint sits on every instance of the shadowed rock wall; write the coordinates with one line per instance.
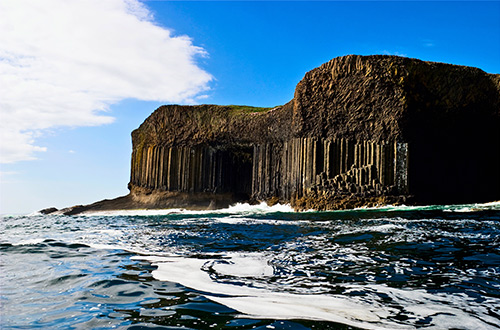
(286, 170)
(448, 114)
(294, 168)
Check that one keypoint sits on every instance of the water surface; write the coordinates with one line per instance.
(253, 267)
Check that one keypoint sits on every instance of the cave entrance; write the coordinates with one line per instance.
(236, 171)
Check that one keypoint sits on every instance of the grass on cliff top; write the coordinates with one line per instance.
(241, 109)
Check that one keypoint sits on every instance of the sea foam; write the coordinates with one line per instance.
(367, 312)
(238, 208)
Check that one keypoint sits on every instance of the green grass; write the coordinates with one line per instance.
(240, 109)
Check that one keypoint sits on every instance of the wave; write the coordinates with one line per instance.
(473, 207)
(259, 302)
(368, 311)
(238, 208)
(263, 208)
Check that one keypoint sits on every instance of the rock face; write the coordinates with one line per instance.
(447, 115)
(360, 130)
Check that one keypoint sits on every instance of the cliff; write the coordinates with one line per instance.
(360, 130)
(447, 115)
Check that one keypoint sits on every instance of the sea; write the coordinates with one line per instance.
(253, 267)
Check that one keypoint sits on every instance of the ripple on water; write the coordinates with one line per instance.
(241, 269)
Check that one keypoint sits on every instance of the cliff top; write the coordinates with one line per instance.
(192, 125)
(384, 97)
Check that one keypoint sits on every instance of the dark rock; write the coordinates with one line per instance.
(48, 210)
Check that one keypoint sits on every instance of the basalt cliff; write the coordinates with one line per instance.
(360, 131)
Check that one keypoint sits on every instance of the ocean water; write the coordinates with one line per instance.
(253, 267)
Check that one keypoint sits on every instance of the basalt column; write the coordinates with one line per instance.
(362, 167)
(340, 166)
(193, 169)
(267, 171)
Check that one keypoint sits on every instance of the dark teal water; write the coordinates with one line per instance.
(254, 267)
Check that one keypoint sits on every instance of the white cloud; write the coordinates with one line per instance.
(63, 63)
(387, 52)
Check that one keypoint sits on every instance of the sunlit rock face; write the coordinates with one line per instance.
(360, 131)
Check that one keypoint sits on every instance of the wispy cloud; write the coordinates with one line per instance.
(428, 43)
(63, 63)
(387, 52)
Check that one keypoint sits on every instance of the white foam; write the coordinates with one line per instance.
(463, 209)
(447, 310)
(238, 208)
(447, 208)
(34, 214)
(311, 307)
(259, 208)
(473, 207)
(139, 212)
(31, 241)
(367, 311)
(491, 204)
(262, 208)
(261, 303)
(244, 265)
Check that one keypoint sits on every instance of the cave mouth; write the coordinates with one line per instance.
(236, 171)
(458, 167)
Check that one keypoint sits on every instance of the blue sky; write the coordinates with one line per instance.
(79, 76)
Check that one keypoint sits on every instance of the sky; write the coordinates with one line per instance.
(77, 76)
